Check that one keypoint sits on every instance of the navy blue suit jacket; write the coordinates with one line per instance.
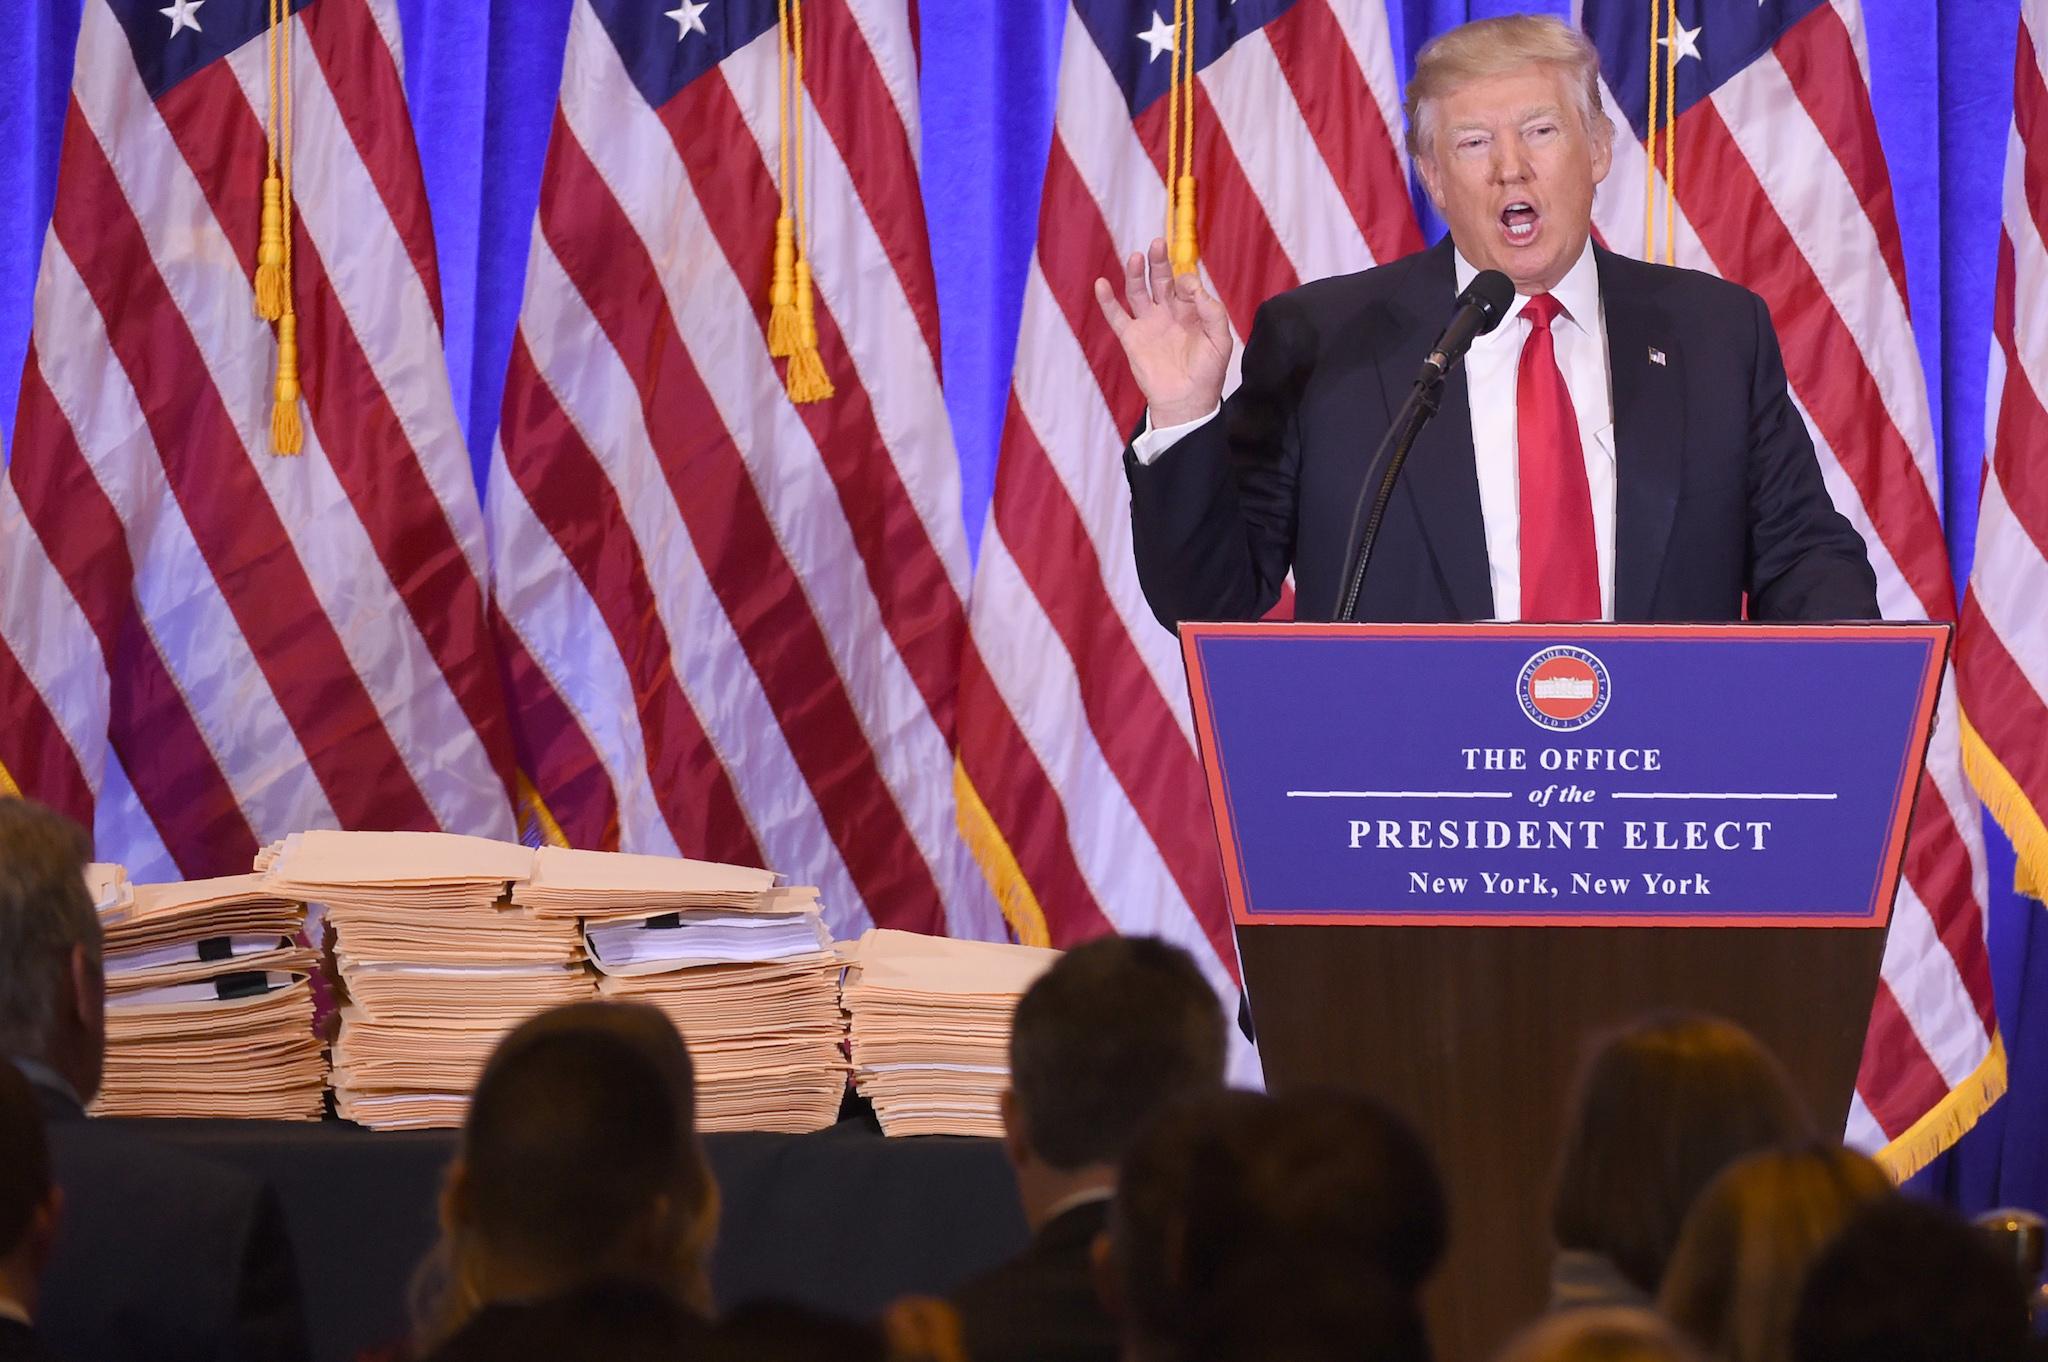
(162, 1256)
(1718, 494)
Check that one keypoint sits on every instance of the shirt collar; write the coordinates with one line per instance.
(1077, 1201)
(1578, 292)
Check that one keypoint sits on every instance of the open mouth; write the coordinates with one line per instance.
(1518, 222)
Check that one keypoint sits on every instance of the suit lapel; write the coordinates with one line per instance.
(1645, 366)
(1441, 478)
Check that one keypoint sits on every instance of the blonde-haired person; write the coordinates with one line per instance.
(1608, 1334)
(1734, 1281)
(1551, 485)
(579, 1169)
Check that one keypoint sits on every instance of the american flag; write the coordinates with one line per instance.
(733, 622)
(1778, 182)
(204, 645)
(2002, 657)
(1079, 781)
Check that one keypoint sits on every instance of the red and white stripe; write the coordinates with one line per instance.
(733, 623)
(202, 645)
(1074, 722)
(1781, 185)
(2002, 651)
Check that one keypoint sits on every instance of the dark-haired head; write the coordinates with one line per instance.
(1663, 1106)
(1322, 1202)
(579, 1162)
(1908, 1281)
(52, 991)
(1117, 1030)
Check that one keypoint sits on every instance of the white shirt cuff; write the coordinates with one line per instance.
(1154, 441)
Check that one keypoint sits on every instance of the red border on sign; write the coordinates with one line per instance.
(1885, 882)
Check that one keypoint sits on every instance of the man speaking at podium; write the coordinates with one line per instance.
(1621, 445)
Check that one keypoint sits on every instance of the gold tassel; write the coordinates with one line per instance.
(1180, 147)
(807, 380)
(270, 290)
(784, 326)
(287, 436)
(1185, 255)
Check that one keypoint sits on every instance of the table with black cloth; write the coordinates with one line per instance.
(842, 1220)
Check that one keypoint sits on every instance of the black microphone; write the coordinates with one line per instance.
(1480, 309)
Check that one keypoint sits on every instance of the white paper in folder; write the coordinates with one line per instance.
(710, 937)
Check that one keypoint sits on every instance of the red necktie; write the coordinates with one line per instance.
(1560, 566)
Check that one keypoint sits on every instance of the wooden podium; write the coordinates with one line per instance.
(1470, 1009)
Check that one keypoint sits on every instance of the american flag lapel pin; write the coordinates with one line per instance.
(1656, 355)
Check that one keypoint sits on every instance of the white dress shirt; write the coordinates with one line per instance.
(1491, 370)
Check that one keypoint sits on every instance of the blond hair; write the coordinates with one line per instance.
(1494, 47)
(1610, 1334)
(1735, 1278)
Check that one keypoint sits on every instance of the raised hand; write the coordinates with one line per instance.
(1176, 336)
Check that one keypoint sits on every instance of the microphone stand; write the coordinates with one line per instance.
(1415, 413)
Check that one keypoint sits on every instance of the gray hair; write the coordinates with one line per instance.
(1494, 47)
(45, 911)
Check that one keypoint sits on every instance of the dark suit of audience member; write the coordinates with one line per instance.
(616, 1321)
(1248, 1228)
(29, 1210)
(162, 1256)
(1043, 1304)
(1117, 1031)
(18, 1343)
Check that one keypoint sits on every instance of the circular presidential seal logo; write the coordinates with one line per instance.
(1563, 689)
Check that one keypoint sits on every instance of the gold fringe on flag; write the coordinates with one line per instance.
(7, 785)
(537, 825)
(1949, 1119)
(985, 841)
(2009, 804)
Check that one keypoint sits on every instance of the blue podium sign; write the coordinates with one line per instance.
(1595, 774)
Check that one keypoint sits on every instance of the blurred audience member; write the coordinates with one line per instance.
(579, 1164)
(1601, 1333)
(1301, 1226)
(163, 1256)
(1661, 1108)
(1112, 1034)
(28, 1215)
(1734, 1279)
(1906, 1281)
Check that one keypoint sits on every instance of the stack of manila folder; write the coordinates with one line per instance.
(931, 1028)
(744, 969)
(209, 1008)
(435, 964)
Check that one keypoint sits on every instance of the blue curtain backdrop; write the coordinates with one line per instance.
(482, 74)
